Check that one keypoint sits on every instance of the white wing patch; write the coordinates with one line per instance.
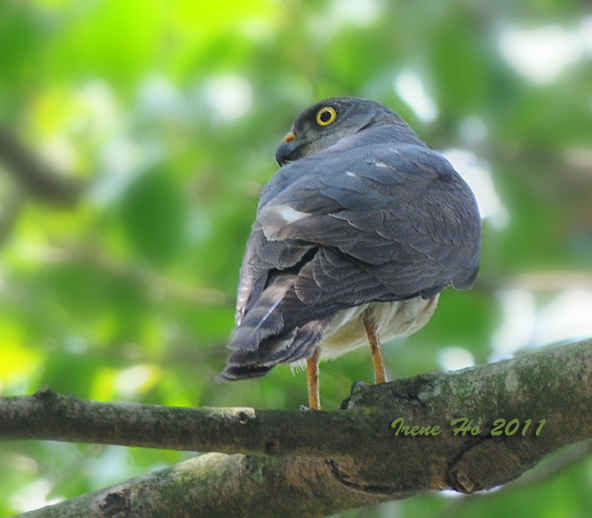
(274, 219)
(288, 214)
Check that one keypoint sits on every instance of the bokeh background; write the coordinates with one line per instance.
(135, 138)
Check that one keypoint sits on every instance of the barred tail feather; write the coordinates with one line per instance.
(295, 345)
(262, 320)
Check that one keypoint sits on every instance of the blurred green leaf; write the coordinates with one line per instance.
(153, 215)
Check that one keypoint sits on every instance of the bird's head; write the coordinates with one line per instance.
(328, 121)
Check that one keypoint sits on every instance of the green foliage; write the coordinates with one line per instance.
(129, 294)
(153, 216)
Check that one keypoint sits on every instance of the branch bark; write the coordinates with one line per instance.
(305, 463)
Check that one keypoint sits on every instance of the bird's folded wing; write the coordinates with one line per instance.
(385, 224)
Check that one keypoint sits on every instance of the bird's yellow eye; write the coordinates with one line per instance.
(326, 116)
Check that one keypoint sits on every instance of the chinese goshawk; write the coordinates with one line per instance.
(355, 237)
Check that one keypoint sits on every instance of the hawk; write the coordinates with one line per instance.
(355, 237)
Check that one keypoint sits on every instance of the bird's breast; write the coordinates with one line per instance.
(347, 331)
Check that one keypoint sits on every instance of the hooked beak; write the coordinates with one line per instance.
(287, 151)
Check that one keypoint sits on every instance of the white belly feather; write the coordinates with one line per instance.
(393, 320)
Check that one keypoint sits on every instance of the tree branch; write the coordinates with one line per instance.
(307, 463)
(147, 279)
(537, 281)
(33, 175)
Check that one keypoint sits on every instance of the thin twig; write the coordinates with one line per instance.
(155, 284)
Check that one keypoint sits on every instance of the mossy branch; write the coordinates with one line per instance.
(305, 463)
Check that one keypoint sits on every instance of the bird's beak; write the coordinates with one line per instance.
(287, 150)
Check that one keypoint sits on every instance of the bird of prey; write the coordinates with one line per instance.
(355, 237)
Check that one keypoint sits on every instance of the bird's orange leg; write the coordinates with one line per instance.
(312, 379)
(376, 349)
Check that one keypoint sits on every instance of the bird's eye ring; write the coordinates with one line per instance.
(326, 116)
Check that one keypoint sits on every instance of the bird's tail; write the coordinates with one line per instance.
(271, 333)
(287, 347)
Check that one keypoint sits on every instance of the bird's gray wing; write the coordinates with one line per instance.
(401, 218)
(262, 258)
